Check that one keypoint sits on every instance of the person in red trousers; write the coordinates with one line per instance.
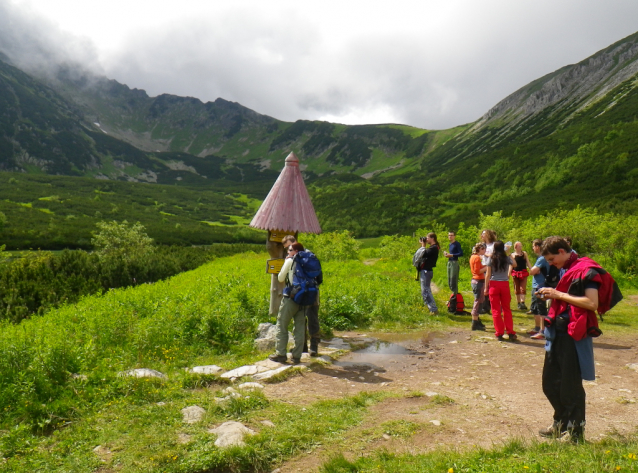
(498, 288)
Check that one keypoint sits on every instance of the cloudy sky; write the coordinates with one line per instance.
(431, 64)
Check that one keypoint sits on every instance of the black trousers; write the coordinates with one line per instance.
(563, 384)
(312, 314)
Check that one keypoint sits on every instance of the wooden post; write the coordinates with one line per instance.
(275, 250)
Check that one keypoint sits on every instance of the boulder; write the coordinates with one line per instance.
(267, 338)
(231, 434)
(193, 414)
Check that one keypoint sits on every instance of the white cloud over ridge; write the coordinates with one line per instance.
(428, 64)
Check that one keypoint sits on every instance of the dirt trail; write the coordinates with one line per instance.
(496, 388)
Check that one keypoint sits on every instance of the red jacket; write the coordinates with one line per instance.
(582, 271)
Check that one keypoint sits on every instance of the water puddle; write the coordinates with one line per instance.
(377, 356)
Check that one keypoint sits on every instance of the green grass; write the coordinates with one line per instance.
(609, 455)
(209, 316)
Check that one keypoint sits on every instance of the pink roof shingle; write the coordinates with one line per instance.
(288, 207)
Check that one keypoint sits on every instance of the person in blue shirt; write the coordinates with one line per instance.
(538, 307)
(453, 268)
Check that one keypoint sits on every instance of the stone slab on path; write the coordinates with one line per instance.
(248, 370)
(269, 374)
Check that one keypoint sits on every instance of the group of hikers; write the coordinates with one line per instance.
(575, 287)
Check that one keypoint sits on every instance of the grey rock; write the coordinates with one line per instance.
(268, 364)
(267, 423)
(242, 371)
(267, 330)
(231, 434)
(265, 344)
(325, 358)
(436, 422)
(267, 338)
(250, 386)
(143, 373)
(632, 366)
(269, 374)
(193, 414)
(208, 369)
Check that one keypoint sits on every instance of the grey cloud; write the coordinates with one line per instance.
(39, 46)
(467, 56)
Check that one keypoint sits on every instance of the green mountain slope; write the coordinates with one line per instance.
(56, 212)
(579, 148)
(42, 132)
(566, 139)
(236, 133)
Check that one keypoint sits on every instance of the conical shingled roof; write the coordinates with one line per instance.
(288, 207)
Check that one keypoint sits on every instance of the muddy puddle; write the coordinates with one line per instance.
(387, 349)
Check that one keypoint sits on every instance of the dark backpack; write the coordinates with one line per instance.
(427, 257)
(552, 277)
(303, 288)
(456, 304)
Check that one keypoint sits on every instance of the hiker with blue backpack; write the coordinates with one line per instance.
(312, 311)
(302, 274)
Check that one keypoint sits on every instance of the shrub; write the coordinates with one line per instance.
(332, 246)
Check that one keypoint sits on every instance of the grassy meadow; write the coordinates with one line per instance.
(64, 407)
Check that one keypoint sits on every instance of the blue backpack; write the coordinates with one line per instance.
(306, 279)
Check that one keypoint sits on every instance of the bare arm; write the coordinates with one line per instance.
(488, 275)
(589, 301)
(535, 270)
(527, 259)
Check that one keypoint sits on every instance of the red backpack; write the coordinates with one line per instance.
(455, 304)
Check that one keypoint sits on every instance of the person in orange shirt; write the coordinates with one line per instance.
(478, 283)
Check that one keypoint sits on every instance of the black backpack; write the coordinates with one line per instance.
(552, 277)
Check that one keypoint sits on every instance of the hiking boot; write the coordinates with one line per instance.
(513, 337)
(296, 361)
(533, 331)
(476, 325)
(553, 431)
(538, 336)
(500, 338)
(278, 358)
(530, 312)
(523, 306)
